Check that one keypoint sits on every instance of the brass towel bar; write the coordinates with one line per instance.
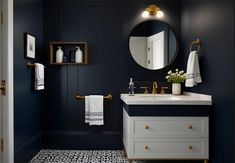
(79, 97)
(196, 42)
(30, 65)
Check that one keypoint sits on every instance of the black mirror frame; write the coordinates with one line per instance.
(176, 51)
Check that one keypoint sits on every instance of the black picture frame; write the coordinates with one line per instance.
(29, 46)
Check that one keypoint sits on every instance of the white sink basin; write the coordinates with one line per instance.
(152, 97)
(167, 99)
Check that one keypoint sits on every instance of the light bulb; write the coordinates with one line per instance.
(145, 14)
(160, 14)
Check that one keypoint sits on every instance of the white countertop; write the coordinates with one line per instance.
(167, 99)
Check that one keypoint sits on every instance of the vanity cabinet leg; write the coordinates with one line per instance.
(129, 161)
(125, 155)
(205, 161)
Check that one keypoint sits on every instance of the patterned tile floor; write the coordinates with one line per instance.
(80, 156)
(88, 156)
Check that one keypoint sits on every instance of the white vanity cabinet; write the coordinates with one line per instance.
(165, 135)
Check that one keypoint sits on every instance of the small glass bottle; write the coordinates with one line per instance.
(131, 87)
(59, 55)
(78, 55)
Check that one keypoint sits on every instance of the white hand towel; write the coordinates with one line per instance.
(39, 76)
(193, 75)
(96, 110)
(87, 109)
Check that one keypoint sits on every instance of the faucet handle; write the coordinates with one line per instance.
(163, 90)
(145, 90)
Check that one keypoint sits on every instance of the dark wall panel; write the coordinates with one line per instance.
(105, 26)
(213, 23)
(28, 17)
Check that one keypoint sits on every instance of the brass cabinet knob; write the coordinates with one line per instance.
(190, 147)
(3, 87)
(146, 147)
(190, 127)
(146, 127)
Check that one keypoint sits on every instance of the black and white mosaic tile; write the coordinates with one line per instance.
(81, 156)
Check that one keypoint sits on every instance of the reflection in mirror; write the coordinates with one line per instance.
(153, 44)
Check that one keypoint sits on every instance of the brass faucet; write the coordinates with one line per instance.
(154, 90)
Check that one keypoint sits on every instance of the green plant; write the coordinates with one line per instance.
(176, 77)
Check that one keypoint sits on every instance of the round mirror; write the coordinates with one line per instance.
(153, 44)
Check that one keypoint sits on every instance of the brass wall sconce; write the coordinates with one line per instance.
(152, 10)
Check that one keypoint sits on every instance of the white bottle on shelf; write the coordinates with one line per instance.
(78, 55)
(59, 55)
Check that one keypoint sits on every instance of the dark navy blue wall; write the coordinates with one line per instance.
(28, 17)
(213, 22)
(105, 26)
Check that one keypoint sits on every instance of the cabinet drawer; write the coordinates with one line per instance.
(169, 148)
(169, 127)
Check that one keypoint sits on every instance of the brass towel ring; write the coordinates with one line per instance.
(196, 42)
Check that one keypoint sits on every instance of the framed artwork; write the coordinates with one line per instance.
(29, 46)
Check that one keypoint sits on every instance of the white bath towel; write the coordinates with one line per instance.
(94, 110)
(39, 76)
(193, 75)
(87, 109)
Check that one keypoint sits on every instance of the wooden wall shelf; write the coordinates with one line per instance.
(67, 47)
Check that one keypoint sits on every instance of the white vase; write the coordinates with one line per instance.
(59, 55)
(176, 88)
(78, 55)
